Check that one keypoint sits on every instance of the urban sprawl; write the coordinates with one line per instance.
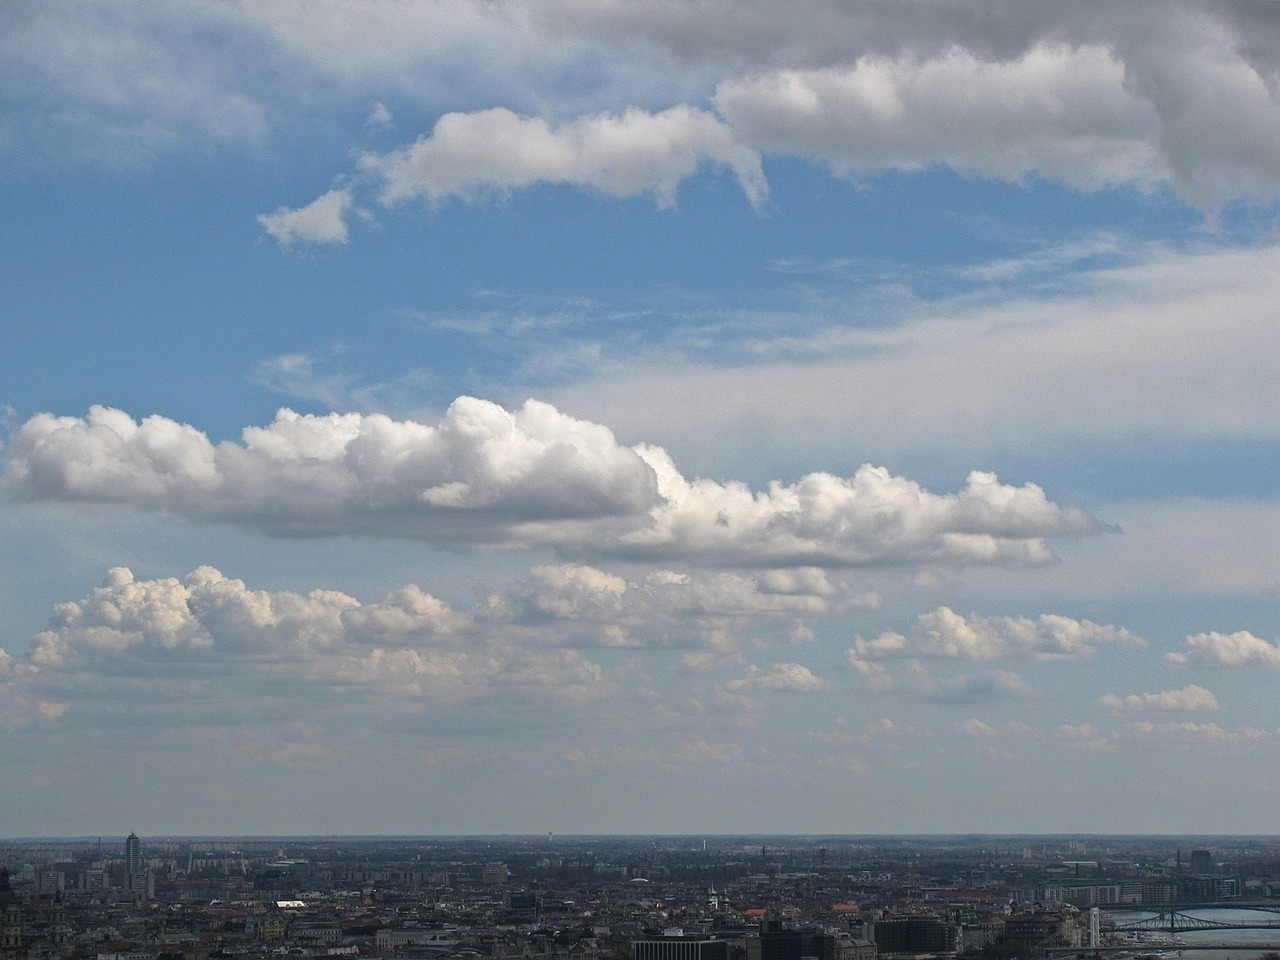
(613, 898)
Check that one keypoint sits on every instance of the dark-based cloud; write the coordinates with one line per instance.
(617, 96)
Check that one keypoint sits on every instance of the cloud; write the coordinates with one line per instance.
(1188, 732)
(379, 117)
(481, 474)
(210, 648)
(1181, 546)
(915, 682)
(533, 477)
(1082, 93)
(404, 614)
(1214, 649)
(1057, 110)
(409, 644)
(789, 677)
(323, 220)
(1088, 112)
(805, 590)
(1085, 736)
(1190, 698)
(469, 155)
(562, 592)
(974, 727)
(1083, 362)
(945, 634)
(207, 638)
(128, 84)
(666, 608)
(167, 616)
(699, 752)
(1088, 101)
(871, 517)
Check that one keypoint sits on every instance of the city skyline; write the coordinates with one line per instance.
(471, 419)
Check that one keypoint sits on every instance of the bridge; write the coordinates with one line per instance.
(1267, 906)
(1137, 949)
(1171, 920)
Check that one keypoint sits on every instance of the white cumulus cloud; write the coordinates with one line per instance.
(479, 475)
(210, 641)
(323, 220)
(1190, 698)
(530, 477)
(945, 634)
(563, 592)
(207, 612)
(873, 516)
(469, 155)
(792, 677)
(1239, 649)
(666, 608)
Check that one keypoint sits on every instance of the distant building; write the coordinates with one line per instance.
(1207, 888)
(93, 880)
(137, 878)
(1033, 934)
(132, 855)
(679, 947)
(978, 932)
(50, 883)
(11, 927)
(914, 934)
(523, 901)
(776, 943)
(855, 948)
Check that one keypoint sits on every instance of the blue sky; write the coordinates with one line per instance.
(639, 417)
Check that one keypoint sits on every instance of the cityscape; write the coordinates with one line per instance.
(639, 898)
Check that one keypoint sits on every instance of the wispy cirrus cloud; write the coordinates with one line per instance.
(1207, 308)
